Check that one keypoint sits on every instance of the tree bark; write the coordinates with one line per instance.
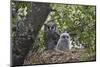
(27, 31)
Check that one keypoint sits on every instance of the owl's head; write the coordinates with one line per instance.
(50, 26)
(65, 36)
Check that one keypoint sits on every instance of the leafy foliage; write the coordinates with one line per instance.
(79, 21)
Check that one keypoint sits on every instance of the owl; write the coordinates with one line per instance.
(51, 35)
(63, 43)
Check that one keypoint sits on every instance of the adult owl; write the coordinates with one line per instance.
(51, 35)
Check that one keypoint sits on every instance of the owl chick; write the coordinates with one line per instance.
(63, 43)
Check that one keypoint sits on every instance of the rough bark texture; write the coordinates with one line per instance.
(27, 31)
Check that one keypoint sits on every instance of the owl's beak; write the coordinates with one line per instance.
(66, 38)
(50, 28)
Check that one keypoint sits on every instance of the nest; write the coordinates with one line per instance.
(52, 56)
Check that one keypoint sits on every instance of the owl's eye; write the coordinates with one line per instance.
(52, 27)
(63, 36)
(67, 36)
(48, 27)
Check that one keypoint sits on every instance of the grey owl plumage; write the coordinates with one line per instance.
(51, 35)
(63, 43)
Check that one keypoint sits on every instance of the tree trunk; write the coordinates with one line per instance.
(27, 31)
